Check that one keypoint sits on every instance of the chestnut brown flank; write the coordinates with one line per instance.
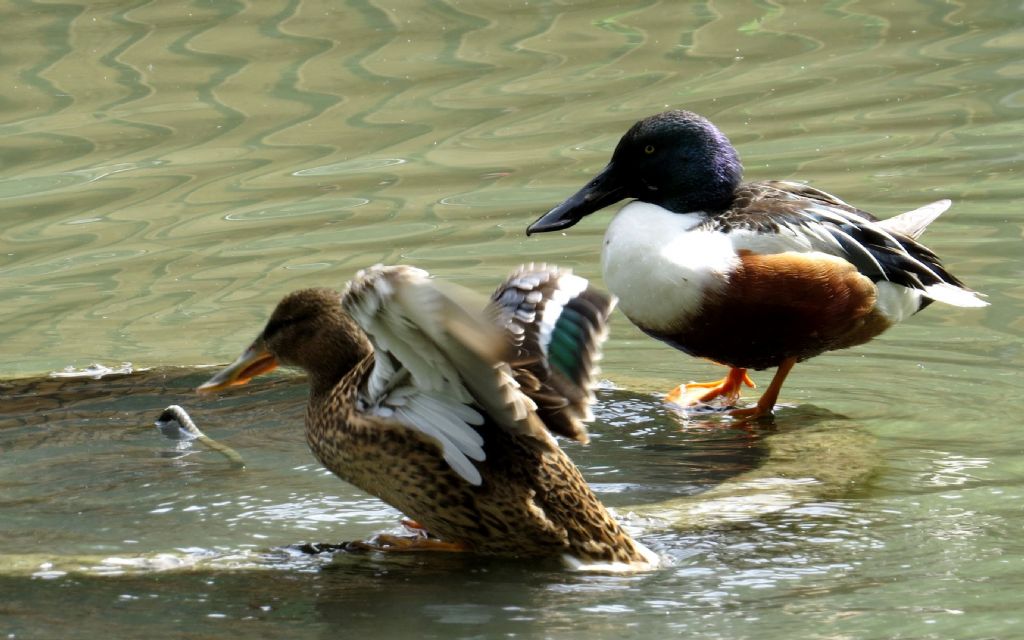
(782, 305)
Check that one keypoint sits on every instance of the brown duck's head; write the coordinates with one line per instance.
(308, 329)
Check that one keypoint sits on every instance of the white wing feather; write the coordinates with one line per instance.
(436, 358)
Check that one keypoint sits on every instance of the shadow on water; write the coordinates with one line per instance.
(90, 486)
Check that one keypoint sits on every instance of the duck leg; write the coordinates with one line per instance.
(694, 393)
(409, 523)
(766, 404)
(387, 542)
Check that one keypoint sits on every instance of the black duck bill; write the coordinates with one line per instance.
(606, 188)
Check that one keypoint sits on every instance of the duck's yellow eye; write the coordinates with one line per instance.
(649, 149)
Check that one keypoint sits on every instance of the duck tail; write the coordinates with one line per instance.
(556, 322)
(913, 223)
(957, 296)
(931, 278)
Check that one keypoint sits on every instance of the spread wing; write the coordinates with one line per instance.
(439, 363)
(556, 322)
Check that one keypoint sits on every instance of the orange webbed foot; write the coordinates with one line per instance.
(728, 388)
(411, 524)
(752, 413)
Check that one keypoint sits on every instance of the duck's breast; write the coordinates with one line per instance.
(661, 265)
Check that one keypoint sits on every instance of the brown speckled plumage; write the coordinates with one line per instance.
(531, 499)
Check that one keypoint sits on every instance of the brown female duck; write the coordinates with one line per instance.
(447, 413)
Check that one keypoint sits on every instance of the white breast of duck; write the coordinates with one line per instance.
(660, 266)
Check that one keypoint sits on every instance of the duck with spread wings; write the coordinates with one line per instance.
(445, 409)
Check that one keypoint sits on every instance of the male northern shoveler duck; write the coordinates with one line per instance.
(446, 410)
(754, 275)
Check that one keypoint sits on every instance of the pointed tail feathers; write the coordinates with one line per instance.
(954, 295)
(913, 223)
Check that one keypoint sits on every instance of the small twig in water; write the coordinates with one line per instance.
(186, 429)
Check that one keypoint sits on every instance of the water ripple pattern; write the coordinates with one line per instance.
(170, 170)
(167, 173)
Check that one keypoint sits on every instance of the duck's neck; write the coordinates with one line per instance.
(323, 381)
(710, 199)
(332, 357)
(321, 385)
(705, 180)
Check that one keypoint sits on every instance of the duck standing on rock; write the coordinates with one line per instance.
(750, 275)
(445, 410)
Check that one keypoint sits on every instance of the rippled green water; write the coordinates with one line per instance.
(170, 170)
